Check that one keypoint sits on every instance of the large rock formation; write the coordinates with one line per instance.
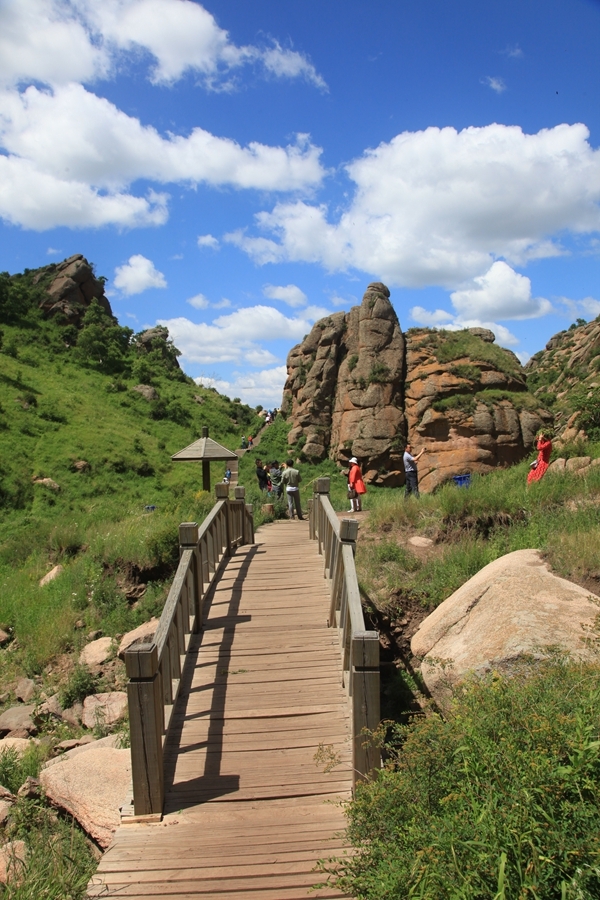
(357, 386)
(70, 288)
(513, 609)
(567, 375)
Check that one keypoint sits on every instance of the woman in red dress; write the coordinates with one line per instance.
(356, 486)
(538, 469)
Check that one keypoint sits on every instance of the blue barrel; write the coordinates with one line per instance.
(462, 480)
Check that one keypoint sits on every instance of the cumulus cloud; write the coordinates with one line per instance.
(495, 83)
(588, 307)
(198, 302)
(48, 181)
(58, 41)
(438, 207)
(290, 294)
(265, 387)
(500, 294)
(207, 240)
(438, 317)
(137, 275)
(238, 335)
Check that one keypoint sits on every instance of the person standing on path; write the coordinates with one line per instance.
(261, 475)
(356, 486)
(411, 471)
(276, 475)
(290, 481)
(539, 467)
(250, 442)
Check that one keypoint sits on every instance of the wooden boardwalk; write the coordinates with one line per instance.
(248, 812)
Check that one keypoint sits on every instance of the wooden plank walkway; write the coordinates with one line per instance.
(248, 812)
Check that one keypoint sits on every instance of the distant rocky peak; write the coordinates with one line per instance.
(72, 288)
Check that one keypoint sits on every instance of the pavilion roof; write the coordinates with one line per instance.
(204, 448)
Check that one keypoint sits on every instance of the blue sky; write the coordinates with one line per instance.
(237, 170)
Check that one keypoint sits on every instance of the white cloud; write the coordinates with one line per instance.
(198, 302)
(52, 251)
(496, 84)
(438, 207)
(265, 387)
(137, 275)
(58, 41)
(231, 337)
(222, 304)
(514, 51)
(44, 41)
(260, 357)
(47, 181)
(207, 240)
(500, 294)
(431, 319)
(589, 306)
(290, 294)
(290, 64)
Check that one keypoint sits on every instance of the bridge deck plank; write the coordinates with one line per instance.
(246, 811)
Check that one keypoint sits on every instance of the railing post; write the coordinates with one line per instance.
(366, 756)
(240, 494)
(222, 493)
(321, 486)
(145, 723)
(188, 538)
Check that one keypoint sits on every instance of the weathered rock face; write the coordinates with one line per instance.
(513, 608)
(344, 387)
(72, 289)
(567, 373)
(467, 403)
(357, 386)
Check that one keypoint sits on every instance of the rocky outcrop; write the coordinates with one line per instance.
(467, 404)
(513, 609)
(357, 386)
(567, 375)
(72, 289)
(344, 387)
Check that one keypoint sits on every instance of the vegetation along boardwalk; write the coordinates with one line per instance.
(247, 809)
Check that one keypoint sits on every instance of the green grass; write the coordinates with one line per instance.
(499, 800)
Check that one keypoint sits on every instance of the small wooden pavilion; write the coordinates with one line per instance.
(206, 450)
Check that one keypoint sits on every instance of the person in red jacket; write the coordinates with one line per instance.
(538, 468)
(356, 486)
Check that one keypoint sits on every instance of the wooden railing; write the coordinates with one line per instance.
(154, 670)
(359, 647)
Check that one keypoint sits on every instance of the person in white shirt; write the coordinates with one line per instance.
(411, 471)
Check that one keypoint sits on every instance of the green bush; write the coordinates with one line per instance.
(80, 685)
(499, 800)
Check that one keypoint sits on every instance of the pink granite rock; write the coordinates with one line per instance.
(104, 709)
(96, 653)
(92, 787)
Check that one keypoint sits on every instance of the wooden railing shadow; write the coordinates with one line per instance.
(359, 648)
(211, 784)
(157, 671)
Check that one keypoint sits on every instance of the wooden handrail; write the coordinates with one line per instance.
(154, 670)
(359, 647)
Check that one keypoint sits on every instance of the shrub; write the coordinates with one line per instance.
(497, 801)
(379, 374)
(352, 362)
(80, 685)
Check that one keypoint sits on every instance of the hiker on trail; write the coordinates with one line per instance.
(539, 467)
(411, 471)
(290, 480)
(356, 486)
(250, 443)
(275, 474)
(244, 442)
(227, 474)
(262, 475)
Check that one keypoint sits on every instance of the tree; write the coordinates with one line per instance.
(102, 343)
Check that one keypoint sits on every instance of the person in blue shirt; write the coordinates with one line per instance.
(411, 471)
